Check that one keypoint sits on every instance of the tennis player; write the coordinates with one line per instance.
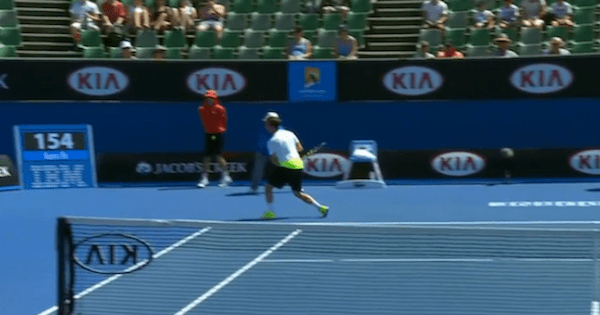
(214, 118)
(284, 148)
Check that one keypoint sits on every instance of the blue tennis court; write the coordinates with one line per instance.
(295, 267)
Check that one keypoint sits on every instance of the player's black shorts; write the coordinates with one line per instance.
(214, 144)
(282, 176)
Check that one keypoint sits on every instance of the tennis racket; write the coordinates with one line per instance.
(313, 150)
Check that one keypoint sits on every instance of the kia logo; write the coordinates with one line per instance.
(98, 81)
(224, 81)
(587, 162)
(458, 163)
(112, 253)
(541, 78)
(413, 80)
(3, 84)
(325, 165)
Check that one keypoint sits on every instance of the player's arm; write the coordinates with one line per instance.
(274, 159)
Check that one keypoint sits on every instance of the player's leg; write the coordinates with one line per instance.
(258, 170)
(219, 140)
(276, 180)
(209, 151)
(295, 181)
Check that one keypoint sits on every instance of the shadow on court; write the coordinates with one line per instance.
(248, 193)
(281, 218)
(593, 190)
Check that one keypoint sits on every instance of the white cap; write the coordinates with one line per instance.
(126, 44)
(270, 115)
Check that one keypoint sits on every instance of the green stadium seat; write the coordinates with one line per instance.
(332, 21)
(94, 53)
(278, 38)
(512, 33)
(231, 39)
(360, 38)
(224, 3)
(273, 53)
(8, 52)
(480, 37)
(583, 33)
(357, 21)
(530, 50)
(284, 21)
(242, 6)
(220, 52)
(247, 53)
(583, 16)
(8, 18)
(311, 35)
(457, 35)
(91, 38)
(115, 53)
(458, 19)
(199, 53)
(308, 22)
(266, 6)
(146, 38)
(531, 35)
(584, 3)
(10, 36)
(144, 52)
(434, 37)
(363, 6)
(236, 21)
(260, 21)
(322, 52)
(557, 31)
(173, 53)
(461, 5)
(7, 4)
(582, 48)
(254, 39)
(206, 38)
(478, 51)
(172, 3)
(494, 4)
(175, 39)
(290, 6)
(150, 4)
(326, 38)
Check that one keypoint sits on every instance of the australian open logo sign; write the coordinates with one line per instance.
(112, 253)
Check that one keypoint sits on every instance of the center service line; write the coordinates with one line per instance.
(238, 273)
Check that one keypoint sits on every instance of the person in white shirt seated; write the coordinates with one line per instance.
(84, 15)
(483, 18)
(423, 51)
(533, 13)
(508, 15)
(435, 13)
(562, 14)
(556, 44)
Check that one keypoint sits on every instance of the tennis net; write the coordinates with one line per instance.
(120, 266)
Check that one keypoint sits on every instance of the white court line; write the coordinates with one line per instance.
(424, 260)
(115, 277)
(236, 274)
(418, 260)
(297, 260)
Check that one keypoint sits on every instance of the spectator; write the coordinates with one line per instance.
(509, 15)
(140, 15)
(113, 14)
(336, 6)
(423, 51)
(212, 16)
(161, 15)
(345, 46)
(127, 50)
(556, 44)
(435, 13)
(159, 53)
(562, 14)
(299, 48)
(533, 13)
(83, 15)
(185, 14)
(312, 6)
(483, 18)
(503, 42)
(450, 51)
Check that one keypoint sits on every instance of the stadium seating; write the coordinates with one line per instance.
(236, 21)
(10, 36)
(94, 52)
(221, 52)
(309, 22)
(144, 52)
(278, 38)
(8, 18)
(8, 51)
(322, 52)
(358, 34)
(199, 53)
(290, 6)
(254, 39)
(460, 5)
(357, 21)
(260, 21)
(480, 37)
(173, 53)
(231, 39)
(273, 53)
(115, 53)
(363, 6)
(512, 33)
(248, 53)
(582, 48)
(331, 21)
(583, 33)
(434, 37)
(583, 16)
(205, 39)
(146, 38)
(531, 35)
(7, 4)
(478, 51)
(556, 31)
(91, 38)
(284, 21)
(326, 38)
(458, 19)
(530, 50)
(266, 6)
(175, 39)
(457, 36)
(242, 6)
(584, 3)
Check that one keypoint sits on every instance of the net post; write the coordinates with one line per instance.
(595, 305)
(65, 269)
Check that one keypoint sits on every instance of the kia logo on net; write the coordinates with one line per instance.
(587, 162)
(541, 78)
(112, 253)
(458, 163)
(98, 81)
(224, 81)
(413, 80)
(325, 165)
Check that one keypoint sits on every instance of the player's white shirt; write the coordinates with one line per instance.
(283, 145)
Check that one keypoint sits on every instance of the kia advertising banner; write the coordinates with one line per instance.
(142, 80)
(467, 79)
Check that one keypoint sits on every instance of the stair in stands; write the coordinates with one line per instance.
(45, 29)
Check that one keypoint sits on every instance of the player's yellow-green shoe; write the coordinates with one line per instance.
(324, 210)
(269, 215)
